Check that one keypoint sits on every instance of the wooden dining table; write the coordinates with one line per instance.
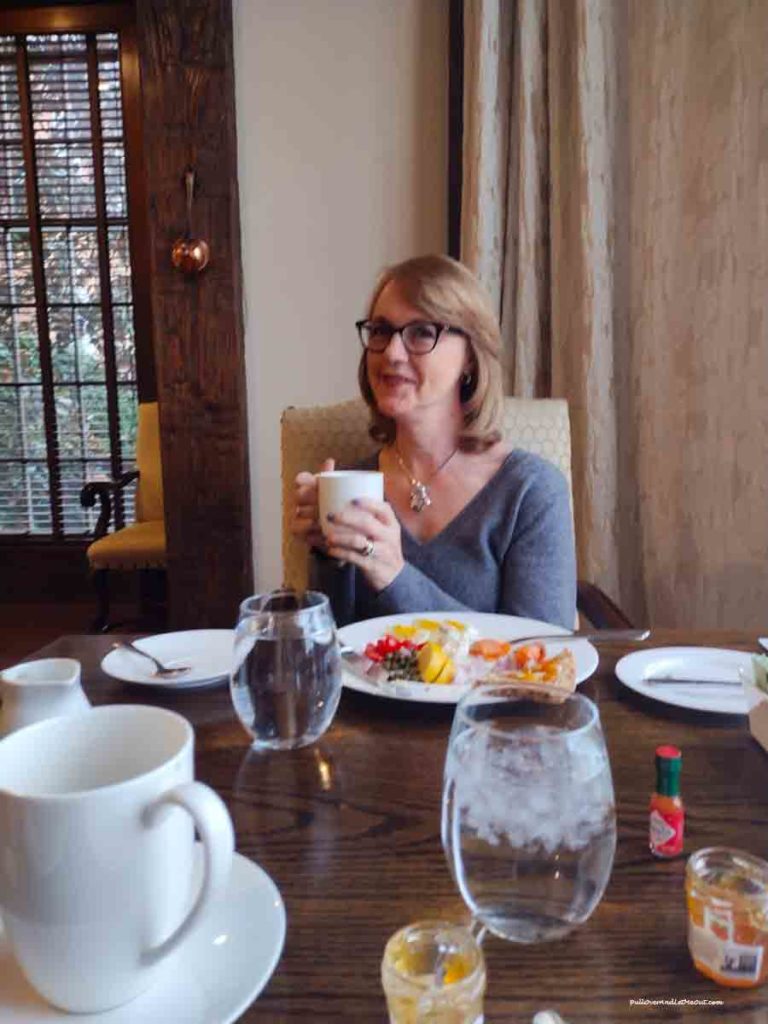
(349, 830)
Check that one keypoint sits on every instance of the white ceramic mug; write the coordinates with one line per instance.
(97, 819)
(338, 487)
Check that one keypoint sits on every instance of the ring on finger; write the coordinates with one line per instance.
(368, 550)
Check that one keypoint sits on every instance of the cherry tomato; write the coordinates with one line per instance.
(372, 652)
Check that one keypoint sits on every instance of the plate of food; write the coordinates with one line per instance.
(435, 657)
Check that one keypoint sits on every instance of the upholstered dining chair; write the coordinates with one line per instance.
(141, 545)
(309, 435)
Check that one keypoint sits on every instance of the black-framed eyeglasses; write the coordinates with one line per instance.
(419, 336)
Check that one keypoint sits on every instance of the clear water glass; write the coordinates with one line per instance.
(528, 819)
(286, 677)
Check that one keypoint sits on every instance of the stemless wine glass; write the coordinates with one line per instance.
(286, 676)
(528, 822)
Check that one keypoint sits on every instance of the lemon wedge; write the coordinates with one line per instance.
(435, 666)
(428, 624)
(431, 661)
(447, 673)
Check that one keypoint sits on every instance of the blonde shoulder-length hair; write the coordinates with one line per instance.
(446, 292)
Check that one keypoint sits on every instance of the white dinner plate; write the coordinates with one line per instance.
(689, 663)
(496, 627)
(216, 974)
(207, 651)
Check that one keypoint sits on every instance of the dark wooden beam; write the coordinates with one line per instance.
(72, 17)
(186, 56)
(455, 123)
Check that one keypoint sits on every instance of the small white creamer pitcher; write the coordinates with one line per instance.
(35, 690)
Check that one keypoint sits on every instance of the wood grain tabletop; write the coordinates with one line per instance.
(349, 829)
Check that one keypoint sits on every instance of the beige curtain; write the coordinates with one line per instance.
(616, 205)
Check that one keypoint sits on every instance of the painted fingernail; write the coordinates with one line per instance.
(355, 501)
(331, 517)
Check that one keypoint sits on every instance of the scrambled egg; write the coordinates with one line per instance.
(453, 636)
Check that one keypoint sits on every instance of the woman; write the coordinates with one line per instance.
(467, 523)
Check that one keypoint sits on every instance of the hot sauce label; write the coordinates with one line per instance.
(666, 832)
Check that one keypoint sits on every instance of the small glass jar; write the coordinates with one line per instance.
(727, 896)
(433, 972)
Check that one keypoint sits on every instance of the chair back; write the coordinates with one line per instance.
(149, 489)
(309, 435)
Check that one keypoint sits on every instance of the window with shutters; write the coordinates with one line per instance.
(68, 314)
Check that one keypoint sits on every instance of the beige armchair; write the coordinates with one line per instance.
(310, 435)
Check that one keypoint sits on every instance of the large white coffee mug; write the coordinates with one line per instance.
(337, 488)
(97, 820)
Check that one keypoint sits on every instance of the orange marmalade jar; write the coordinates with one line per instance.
(727, 896)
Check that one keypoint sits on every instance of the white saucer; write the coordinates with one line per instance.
(689, 663)
(207, 651)
(213, 978)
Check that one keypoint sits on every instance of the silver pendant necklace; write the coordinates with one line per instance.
(420, 497)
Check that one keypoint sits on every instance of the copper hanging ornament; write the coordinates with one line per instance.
(190, 255)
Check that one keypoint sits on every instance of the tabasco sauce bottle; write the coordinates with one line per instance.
(667, 815)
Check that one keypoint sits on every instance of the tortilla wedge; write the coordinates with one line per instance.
(551, 682)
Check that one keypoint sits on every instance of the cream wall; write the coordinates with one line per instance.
(342, 141)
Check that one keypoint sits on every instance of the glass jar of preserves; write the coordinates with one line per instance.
(433, 972)
(727, 897)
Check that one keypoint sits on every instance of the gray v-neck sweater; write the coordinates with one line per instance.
(509, 550)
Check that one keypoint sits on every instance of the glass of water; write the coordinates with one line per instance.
(528, 820)
(286, 676)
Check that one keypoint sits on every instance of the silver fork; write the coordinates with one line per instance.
(162, 670)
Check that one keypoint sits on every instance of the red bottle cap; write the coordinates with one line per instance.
(668, 752)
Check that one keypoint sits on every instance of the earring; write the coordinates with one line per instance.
(466, 386)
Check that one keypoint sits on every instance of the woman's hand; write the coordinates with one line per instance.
(367, 534)
(305, 523)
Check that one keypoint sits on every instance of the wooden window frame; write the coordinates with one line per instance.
(113, 17)
(29, 554)
(185, 51)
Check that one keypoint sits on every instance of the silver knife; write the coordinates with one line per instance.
(671, 681)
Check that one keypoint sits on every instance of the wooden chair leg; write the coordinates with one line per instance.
(101, 583)
(152, 597)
